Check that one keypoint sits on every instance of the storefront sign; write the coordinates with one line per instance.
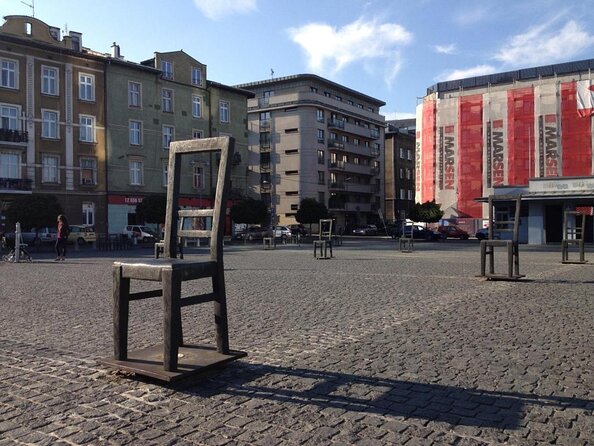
(565, 185)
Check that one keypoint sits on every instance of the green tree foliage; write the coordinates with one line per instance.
(249, 211)
(311, 211)
(34, 211)
(428, 212)
(152, 209)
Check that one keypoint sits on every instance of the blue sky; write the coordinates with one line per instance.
(389, 49)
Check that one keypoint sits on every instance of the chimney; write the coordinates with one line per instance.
(115, 51)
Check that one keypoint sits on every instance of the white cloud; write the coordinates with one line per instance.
(541, 45)
(330, 50)
(478, 70)
(446, 49)
(216, 9)
(471, 16)
(399, 115)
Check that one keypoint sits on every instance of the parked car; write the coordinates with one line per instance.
(282, 232)
(365, 230)
(453, 231)
(36, 237)
(419, 232)
(298, 229)
(82, 234)
(483, 234)
(141, 233)
(252, 233)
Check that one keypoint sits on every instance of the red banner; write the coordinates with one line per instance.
(520, 135)
(576, 136)
(428, 150)
(470, 155)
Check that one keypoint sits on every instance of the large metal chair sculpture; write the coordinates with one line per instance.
(512, 246)
(175, 359)
(406, 242)
(573, 235)
(324, 242)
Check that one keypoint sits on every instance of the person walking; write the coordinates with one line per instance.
(63, 230)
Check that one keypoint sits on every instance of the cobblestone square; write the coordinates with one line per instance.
(371, 347)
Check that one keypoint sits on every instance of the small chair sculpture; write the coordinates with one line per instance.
(573, 235)
(512, 246)
(324, 241)
(269, 240)
(175, 359)
(406, 242)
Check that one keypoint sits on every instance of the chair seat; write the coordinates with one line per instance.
(152, 269)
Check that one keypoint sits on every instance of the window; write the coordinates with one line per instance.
(49, 168)
(135, 133)
(356, 160)
(327, 94)
(401, 173)
(134, 94)
(135, 167)
(350, 102)
(167, 69)
(291, 172)
(313, 89)
(356, 141)
(198, 177)
(88, 171)
(88, 213)
(264, 139)
(292, 130)
(408, 174)
(409, 154)
(196, 106)
(359, 105)
(10, 165)
(320, 115)
(401, 153)
(402, 194)
(321, 156)
(410, 194)
(8, 76)
(321, 197)
(164, 172)
(9, 116)
(224, 111)
(370, 109)
(167, 136)
(167, 102)
(87, 128)
(344, 138)
(86, 87)
(320, 177)
(49, 124)
(197, 134)
(49, 80)
(320, 135)
(338, 98)
(196, 76)
(291, 151)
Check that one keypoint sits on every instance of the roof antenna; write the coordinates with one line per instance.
(271, 73)
(30, 5)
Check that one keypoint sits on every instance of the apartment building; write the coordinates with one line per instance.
(152, 103)
(399, 162)
(312, 138)
(525, 132)
(52, 109)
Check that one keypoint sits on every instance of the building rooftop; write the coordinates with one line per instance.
(509, 77)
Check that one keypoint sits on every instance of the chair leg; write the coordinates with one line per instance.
(171, 321)
(121, 305)
(220, 311)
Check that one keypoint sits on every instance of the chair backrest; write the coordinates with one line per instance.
(512, 224)
(326, 229)
(177, 149)
(573, 226)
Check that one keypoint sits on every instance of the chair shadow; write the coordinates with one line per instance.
(382, 396)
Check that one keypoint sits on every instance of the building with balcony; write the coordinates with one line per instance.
(399, 162)
(312, 138)
(52, 110)
(163, 99)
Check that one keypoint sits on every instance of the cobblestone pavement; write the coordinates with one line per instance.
(371, 347)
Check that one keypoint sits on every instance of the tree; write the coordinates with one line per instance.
(428, 212)
(311, 211)
(34, 211)
(152, 209)
(249, 211)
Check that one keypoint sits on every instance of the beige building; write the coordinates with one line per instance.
(313, 138)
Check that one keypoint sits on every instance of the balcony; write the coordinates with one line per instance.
(336, 123)
(375, 152)
(335, 185)
(265, 166)
(360, 169)
(375, 171)
(18, 136)
(16, 185)
(265, 124)
(265, 147)
(374, 133)
(335, 165)
(335, 144)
